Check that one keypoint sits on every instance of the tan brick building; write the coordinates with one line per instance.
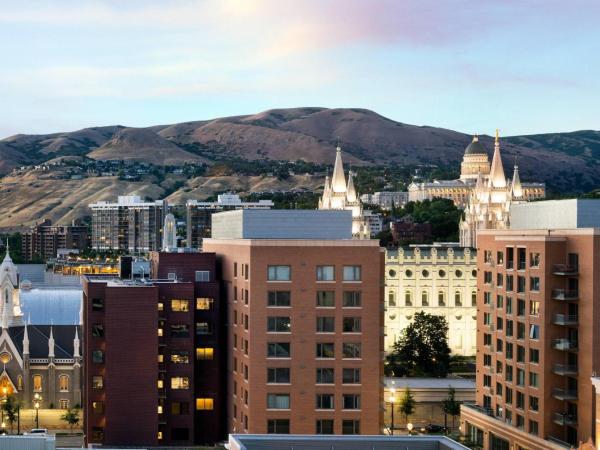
(537, 333)
(305, 322)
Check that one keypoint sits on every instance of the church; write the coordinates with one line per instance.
(40, 351)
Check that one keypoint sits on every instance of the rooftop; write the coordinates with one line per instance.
(555, 214)
(51, 306)
(428, 383)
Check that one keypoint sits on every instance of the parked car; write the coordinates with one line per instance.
(38, 432)
(432, 428)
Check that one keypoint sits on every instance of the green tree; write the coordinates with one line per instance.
(11, 410)
(71, 416)
(407, 404)
(422, 349)
(450, 405)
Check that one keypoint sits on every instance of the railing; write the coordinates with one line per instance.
(39, 361)
(64, 361)
(565, 269)
(564, 394)
(565, 369)
(564, 344)
(480, 409)
(566, 319)
(560, 442)
(564, 418)
(565, 294)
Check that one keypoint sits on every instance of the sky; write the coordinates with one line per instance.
(523, 66)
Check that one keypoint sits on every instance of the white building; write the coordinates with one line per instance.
(374, 222)
(386, 200)
(440, 280)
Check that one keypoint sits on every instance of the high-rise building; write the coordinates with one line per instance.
(43, 240)
(198, 224)
(304, 320)
(436, 279)
(129, 225)
(537, 328)
(152, 369)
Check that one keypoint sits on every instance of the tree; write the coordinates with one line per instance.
(71, 416)
(450, 405)
(11, 410)
(422, 349)
(407, 404)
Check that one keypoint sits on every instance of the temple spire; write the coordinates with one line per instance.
(351, 192)
(497, 178)
(76, 344)
(51, 344)
(338, 179)
(25, 341)
(516, 188)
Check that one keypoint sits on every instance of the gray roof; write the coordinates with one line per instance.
(51, 306)
(429, 383)
(32, 272)
(475, 148)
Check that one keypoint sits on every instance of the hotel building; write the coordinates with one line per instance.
(537, 334)
(305, 316)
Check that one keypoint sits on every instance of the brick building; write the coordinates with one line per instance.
(304, 305)
(43, 240)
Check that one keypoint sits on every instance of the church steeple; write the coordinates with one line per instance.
(516, 188)
(351, 192)
(76, 350)
(497, 178)
(338, 179)
(25, 341)
(51, 344)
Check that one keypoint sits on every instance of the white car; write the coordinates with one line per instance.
(38, 432)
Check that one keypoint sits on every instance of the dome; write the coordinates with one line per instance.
(475, 148)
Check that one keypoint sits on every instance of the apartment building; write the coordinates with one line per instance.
(43, 240)
(152, 364)
(128, 225)
(537, 333)
(305, 317)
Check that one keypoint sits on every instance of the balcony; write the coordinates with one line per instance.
(564, 419)
(564, 344)
(565, 319)
(564, 394)
(565, 294)
(565, 369)
(565, 270)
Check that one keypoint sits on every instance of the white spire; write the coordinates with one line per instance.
(169, 233)
(76, 350)
(51, 344)
(351, 192)
(338, 180)
(25, 341)
(497, 178)
(516, 188)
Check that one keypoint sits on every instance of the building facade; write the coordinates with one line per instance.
(537, 337)
(129, 225)
(198, 218)
(165, 330)
(386, 200)
(337, 195)
(304, 322)
(437, 280)
(43, 240)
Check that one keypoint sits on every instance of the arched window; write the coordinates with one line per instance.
(441, 299)
(457, 299)
(37, 383)
(407, 299)
(63, 383)
(392, 299)
(424, 299)
(474, 298)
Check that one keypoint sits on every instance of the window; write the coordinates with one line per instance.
(97, 434)
(325, 324)
(487, 256)
(509, 328)
(351, 376)
(520, 307)
(278, 350)
(325, 375)
(352, 273)
(325, 273)
(499, 280)
(533, 427)
(325, 350)
(204, 304)
(499, 323)
(278, 298)
(424, 299)
(98, 330)
(324, 426)
(534, 355)
(509, 304)
(487, 298)
(520, 400)
(180, 305)
(97, 356)
(534, 331)
(500, 258)
(520, 377)
(205, 404)
(533, 379)
(203, 328)
(278, 426)
(180, 383)
(510, 282)
(442, 273)
(278, 401)
(509, 351)
(520, 284)
(392, 299)
(97, 304)
(278, 273)
(458, 273)
(441, 299)
(37, 383)
(352, 299)
(534, 284)
(521, 254)
(180, 434)
(97, 382)
(98, 408)
(324, 401)
(509, 373)
(180, 330)
(202, 276)
(487, 381)
(425, 273)
(63, 383)
(408, 273)
(487, 319)
(534, 260)
(180, 357)
(487, 339)
(351, 325)
(487, 277)
(520, 419)
(278, 375)
(509, 396)
(351, 401)
(235, 269)
(350, 426)
(408, 299)
(457, 299)
(520, 330)
(204, 353)
(534, 307)
(278, 324)
(499, 345)
(161, 306)
(325, 299)
(520, 353)
(351, 350)
(180, 408)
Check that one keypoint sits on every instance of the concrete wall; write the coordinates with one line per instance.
(556, 214)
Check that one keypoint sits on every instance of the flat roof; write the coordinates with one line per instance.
(428, 383)
(295, 242)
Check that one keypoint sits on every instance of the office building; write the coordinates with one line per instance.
(153, 355)
(436, 279)
(304, 320)
(129, 225)
(43, 241)
(538, 333)
(198, 218)
(386, 200)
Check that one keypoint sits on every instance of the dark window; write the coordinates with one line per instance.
(98, 330)
(324, 426)
(97, 304)
(97, 434)
(352, 299)
(351, 376)
(279, 298)
(97, 407)
(279, 324)
(204, 328)
(180, 434)
(97, 356)
(278, 426)
(325, 375)
(325, 324)
(325, 350)
(278, 350)
(351, 350)
(180, 408)
(351, 325)
(326, 299)
(278, 375)
(324, 401)
(351, 401)
(180, 331)
(351, 427)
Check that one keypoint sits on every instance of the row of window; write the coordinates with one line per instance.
(323, 273)
(441, 299)
(183, 330)
(323, 401)
(38, 382)
(322, 426)
(534, 305)
(519, 420)
(425, 273)
(324, 375)
(323, 350)
(534, 353)
(534, 258)
(534, 282)
(534, 330)
(325, 299)
(183, 305)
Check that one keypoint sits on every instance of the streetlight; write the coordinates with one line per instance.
(37, 414)
(392, 400)
(409, 427)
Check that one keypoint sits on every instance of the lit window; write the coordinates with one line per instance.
(97, 407)
(204, 353)
(63, 383)
(160, 384)
(180, 357)
(180, 383)
(37, 383)
(180, 305)
(205, 404)
(97, 382)
(204, 303)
